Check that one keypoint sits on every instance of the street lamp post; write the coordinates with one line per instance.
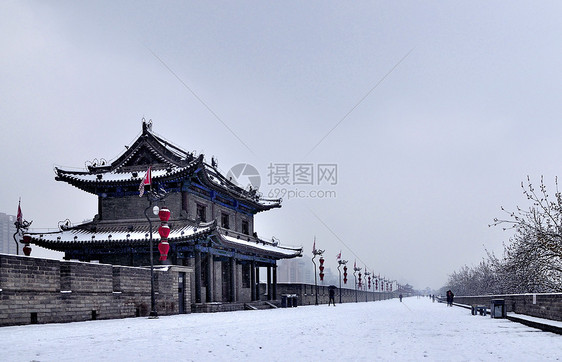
(314, 253)
(367, 275)
(21, 227)
(153, 196)
(355, 270)
(340, 263)
(153, 312)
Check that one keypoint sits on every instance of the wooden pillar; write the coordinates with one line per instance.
(274, 286)
(257, 285)
(197, 276)
(232, 279)
(209, 278)
(253, 281)
(269, 283)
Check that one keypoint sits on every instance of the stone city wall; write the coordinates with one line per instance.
(306, 296)
(34, 290)
(547, 306)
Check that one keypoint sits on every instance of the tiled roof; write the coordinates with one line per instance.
(113, 176)
(171, 164)
(137, 234)
(264, 247)
(92, 235)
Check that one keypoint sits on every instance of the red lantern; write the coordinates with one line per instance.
(27, 248)
(163, 248)
(321, 267)
(344, 274)
(377, 284)
(164, 231)
(359, 285)
(369, 282)
(164, 214)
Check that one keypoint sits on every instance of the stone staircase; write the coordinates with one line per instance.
(215, 307)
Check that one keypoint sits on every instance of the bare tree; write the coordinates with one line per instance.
(477, 280)
(533, 258)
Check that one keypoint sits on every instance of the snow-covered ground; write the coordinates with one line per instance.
(416, 329)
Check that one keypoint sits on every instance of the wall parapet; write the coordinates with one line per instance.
(540, 305)
(35, 290)
(306, 294)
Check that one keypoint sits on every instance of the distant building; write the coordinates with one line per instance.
(330, 278)
(302, 271)
(7, 230)
(295, 271)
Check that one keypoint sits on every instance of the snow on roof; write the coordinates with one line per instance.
(120, 176)
(217, 178)
(176, 150)
(263, 245)
(81, 235)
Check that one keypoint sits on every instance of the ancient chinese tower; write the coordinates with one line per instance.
(211, 224)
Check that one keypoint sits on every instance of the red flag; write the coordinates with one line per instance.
(314, 245)
(148, 177)
(338, 257)
(20, 214)
(147, 180)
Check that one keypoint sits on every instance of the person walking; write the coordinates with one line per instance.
(332, 293)
(400, 296)
(450, 297)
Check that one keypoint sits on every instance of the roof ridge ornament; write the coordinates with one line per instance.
(95, 163)
(146, 125)
(65, 225)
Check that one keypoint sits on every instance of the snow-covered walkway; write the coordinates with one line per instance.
(416, 329)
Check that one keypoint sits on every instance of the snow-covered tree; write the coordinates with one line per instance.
(533, 258)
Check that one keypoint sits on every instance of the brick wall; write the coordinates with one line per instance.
(213, 212)
(306, 295)
(132, 207)
(34, 290)
(547, 306)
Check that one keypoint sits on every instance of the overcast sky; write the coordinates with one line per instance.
(432, 112)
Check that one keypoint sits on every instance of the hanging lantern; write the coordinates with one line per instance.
(321, 267)
(359, 285)
(345, 274)
(164, 214)
(164, 231)
(27, 248)
(369, 279)
(163, 248)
